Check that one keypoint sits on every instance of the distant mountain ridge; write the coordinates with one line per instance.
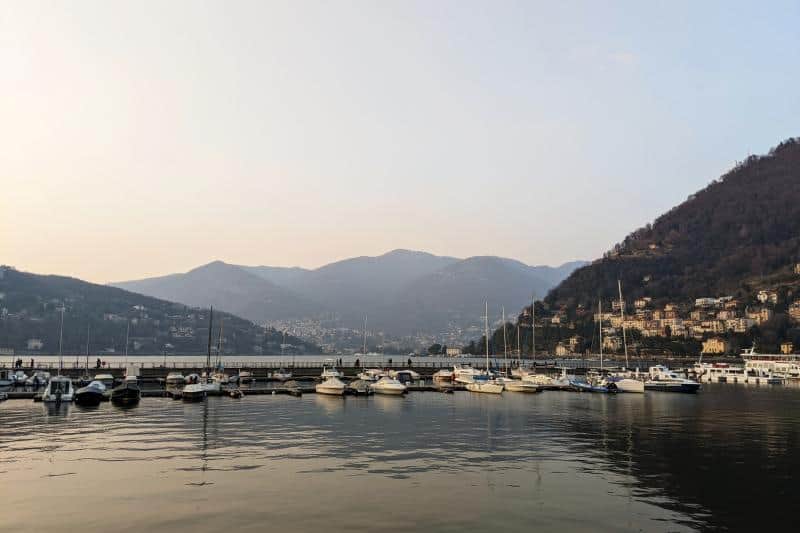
(402, 291)
(31, 303)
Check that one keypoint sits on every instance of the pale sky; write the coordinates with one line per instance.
(143, 138)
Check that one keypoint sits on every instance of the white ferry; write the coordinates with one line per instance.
(786, 366)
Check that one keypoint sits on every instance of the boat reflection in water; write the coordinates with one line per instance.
(556, 460)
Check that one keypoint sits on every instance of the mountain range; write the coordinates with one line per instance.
(402, 292)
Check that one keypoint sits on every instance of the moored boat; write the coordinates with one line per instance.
(91, 394)
(59, 389)
(485, 386)
(193, 392)
(126, 393)
(517, 385)
(175, 379)
(665, 380)
(390, 386)
(332, 386)
(282, 374)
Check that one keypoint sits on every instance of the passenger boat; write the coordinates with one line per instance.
(92, 394)
(194, 392)
(785, 366)
(175, 379)
(126, 393)
(719, 373)
(59, 389)
(389, 385)
(332, 386)
(664, 380)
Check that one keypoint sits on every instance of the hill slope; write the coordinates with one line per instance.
(728, 238)
(30, 309)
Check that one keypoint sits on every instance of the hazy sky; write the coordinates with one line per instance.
(142, 138)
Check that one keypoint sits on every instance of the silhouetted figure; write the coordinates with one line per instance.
(390, 362)
(98, 363)
(357, 363)
(409, 362)
(31, 362)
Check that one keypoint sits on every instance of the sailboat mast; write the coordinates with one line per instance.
(519, 346)
(61, 341)
(87, 348)
(505, 341)
(219, 343)
(533, 330)
(486, 333)
(365, 336)
(622, 317)
(600, 323)
(210, 325)
(127, 335)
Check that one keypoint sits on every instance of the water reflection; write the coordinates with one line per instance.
(580, 462)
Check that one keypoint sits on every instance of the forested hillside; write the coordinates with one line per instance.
(726, 239)
(30, 310)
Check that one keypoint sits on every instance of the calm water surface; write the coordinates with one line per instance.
(721, 460)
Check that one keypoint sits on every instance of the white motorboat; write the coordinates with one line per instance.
(282, 374)
(487, 386)
(38, 379)
(665, 380)
(59, 389)
(329, 370)
(6, 378)
(371, 374)
(444, 374)
(221, 378)
(332, 385)
(175, 378)
(407, 373)
(211, 386)
(19, 377)
(464, 373)
(193, 392)
(105, 379)
(622, 384)
(389, 385)
(131, 374)
(517, 385)
(246, 377)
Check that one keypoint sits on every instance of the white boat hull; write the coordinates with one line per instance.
(485, 387)
(520, 386)
(331, 386)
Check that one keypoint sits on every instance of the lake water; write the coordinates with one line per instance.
(721, 460)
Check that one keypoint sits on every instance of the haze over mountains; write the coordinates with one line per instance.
(403, 292)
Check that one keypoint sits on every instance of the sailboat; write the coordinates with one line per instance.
(59, 388)
(512, 385)
(486, 386)
(219, 376)
(621, 381)
(196, 390)
(127, 392)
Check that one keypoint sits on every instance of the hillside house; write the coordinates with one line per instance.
(715, 345)
(787, 348)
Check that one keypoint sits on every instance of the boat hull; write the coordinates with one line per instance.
(89, 397)
(331, 391)
(686, 388)
(126, 394)
(485, 387)
(521, 386)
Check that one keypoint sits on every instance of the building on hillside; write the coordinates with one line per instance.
(612, 344)
(642, 303)
(715, 345)
(787, 348)
(705, 302)
(794, 311)
(561, 350)
(453, 352)
(759, 316)
(765, 296)
(35, 344)
(797, 268)
(573, 343)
